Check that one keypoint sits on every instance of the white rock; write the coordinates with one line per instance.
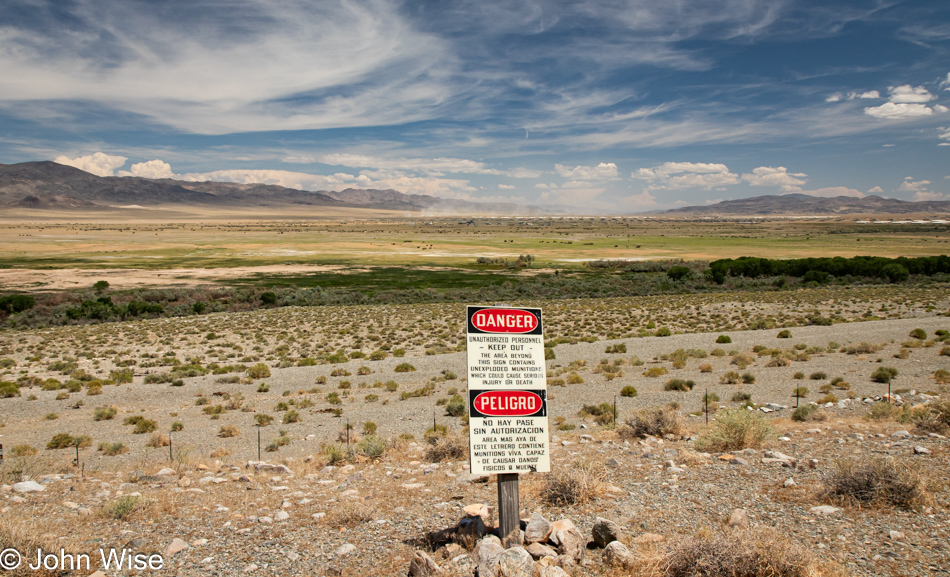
(344, 549)
(282, 516)
(824, 510)
(176, 546)
(27, 487)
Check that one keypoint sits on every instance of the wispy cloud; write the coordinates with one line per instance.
(685, 175)
(776, 176)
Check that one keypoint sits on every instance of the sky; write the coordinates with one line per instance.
(600, 106)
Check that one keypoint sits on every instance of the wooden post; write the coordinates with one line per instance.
(889, 398)
(509, 509)
(258, 442)
(170, 446)
(706, 402)
(77, 452)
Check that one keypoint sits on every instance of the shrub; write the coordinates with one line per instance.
(446, 447)
(654, 372)
(574, 379)
(678, 385)
(258, 371)
(8, 389)
(919, 334)
(740, 553)
(662, 332)
(735, 430)
(177, 426)
(371, 398)
(334, 398)
(653, 421)
(730, 378)
(628, 391)
(112, 449)
(785, 334)
(144, 426)
(456, 407)
(942, 377)
(263, 388)
(566, 486)
(404, 368)
(937, 419)
(741, 397)
(263, 419)
(800, 392)
(808, 413)
(291, 417)
(817, 376)
(22, 450)
(123, 507)
(158, 440)
(877, 481)
(883, 374)
(61, 441)
(371, 446)
(723, 339)
(227, 431)
(369, 428)
(52, 416)
(748, 378)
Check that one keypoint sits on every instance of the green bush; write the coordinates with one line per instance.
(456, 407)
(291, 417)
(371, 446)
(808, 413)
(786, 334)
(883, 374)
(104, 413)
(61, 441)
(404, 368)
(144, 426)
(8, 389)
(263, 419)
(663, 332)
(723, 339)
(628, 391)
(123, 507)
(678, 385)
(258, 371)
(919, 334)
(735, 430)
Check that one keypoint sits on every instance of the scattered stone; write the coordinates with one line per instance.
(423, 566)
(896, 536)
(824, 510)
(738, 518)
(618, 555)
(900, 435)
(514, 562)
(486, 554)
(604, 532)
(27, 487)
(344, 549)
(790, 482)
(176, 546)
(538, 551)
(251, 568)
(568, 539)
(920, 450)
(282, 516)
(537, 530)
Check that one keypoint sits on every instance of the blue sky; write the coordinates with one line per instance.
(603, 106)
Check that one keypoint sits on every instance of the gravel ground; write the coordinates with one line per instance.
(25, 420)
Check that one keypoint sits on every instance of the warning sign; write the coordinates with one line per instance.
(507, 391)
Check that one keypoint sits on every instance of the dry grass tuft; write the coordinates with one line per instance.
(349, 515)
(877, 482)
(27, 538)
(654, 421)
(735, 430)
(574, 485)
(735, 553)
(452, 447)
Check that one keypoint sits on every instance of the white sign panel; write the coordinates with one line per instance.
(507, 391)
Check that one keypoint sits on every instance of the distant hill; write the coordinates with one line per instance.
(48, 185)
(803, 204)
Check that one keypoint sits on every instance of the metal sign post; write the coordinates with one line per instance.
(507, 394)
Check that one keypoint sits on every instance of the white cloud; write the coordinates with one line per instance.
(876, 190)
(776, 176)
(431, 166)
(836, 97)
(923, 195)
(682, 175)
(603, 171)
(870, 94)
(713, 200)
(100, 163)
(892, 111)
(945, 84)
(909, 94)
(257, 65)
(905, 101)
(151, 169)
(833, 191)
(506, 187)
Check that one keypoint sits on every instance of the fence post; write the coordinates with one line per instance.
(258, 442)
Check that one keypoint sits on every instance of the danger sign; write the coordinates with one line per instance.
(507, 388)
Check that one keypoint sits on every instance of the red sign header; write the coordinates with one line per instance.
(508, 403)
(504, 321)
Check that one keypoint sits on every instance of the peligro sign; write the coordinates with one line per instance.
(508, 403)
(504, 321)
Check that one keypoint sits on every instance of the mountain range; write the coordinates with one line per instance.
(48, 185)
(803, 204)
